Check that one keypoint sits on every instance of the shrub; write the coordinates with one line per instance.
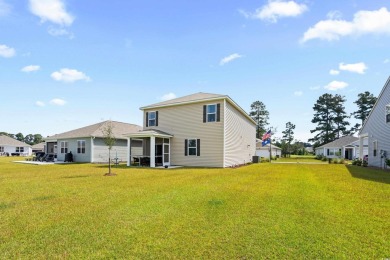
(364, 163)
(319, 156)
(357, 162)
(324, 159)
(388, 162)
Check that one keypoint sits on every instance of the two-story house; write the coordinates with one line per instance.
(202, 129)
(376, 130)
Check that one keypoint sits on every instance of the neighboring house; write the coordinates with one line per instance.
(12, 146)
(346, 147)
(38, 147)
(263, 151)
(205, 130)
(87, 143)
(376, 129)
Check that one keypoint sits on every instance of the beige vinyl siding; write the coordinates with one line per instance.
(240, 137)
(186, 122)
(101, 150)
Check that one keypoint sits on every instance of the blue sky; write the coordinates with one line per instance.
(69, 64)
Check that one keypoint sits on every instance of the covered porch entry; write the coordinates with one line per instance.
(149, 148)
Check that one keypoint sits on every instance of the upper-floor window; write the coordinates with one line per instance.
(64, 147)
(81, 146)
(388, 113)
(151, 118)
(211, 113)
(20, 149)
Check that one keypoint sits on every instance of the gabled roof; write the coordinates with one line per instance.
(341, 142)
(38, 146)
(196, 98)
(149, 133)
(387, 85)
(9, 141)
(96, 130)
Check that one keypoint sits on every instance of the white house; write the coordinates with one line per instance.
(376, 129)
(346, 147)
(263, 151)
(13, 147)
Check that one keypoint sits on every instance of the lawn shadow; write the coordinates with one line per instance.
(369, 173)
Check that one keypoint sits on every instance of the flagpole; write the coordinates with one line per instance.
(270, 150)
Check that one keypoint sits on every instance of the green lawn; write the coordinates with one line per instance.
(258, 211)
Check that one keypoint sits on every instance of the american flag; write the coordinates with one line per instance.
(267, 135)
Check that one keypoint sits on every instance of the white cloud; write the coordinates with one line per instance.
(57, 102)
(6, 52)
(298, 93)
(386, 61)
(40, 103)
(336, 85)
(334, 72)
(275, 10)
(31, 68)
(315, 88)
(5, 8)
(51, 10)
(364, 22)
(354, 67)
(334, 15)
(69, 75)
(60, 32)
(230, 58)
(168, 96)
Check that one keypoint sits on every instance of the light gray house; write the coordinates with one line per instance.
(87, 143)
(376, 129)
(202, 129)
(12, 146)
(346, 147)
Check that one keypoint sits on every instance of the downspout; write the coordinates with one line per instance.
(224, 132)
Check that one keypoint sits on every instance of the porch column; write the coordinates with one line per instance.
(152, 151)
(128, 151)
(361, 147)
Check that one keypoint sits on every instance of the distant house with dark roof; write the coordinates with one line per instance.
(12, 146)
(38, 147)
(87, 143)
(202, 129)
(376, 129)
(346, 147)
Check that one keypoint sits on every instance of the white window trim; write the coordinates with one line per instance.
(207, 113)
(64, 145)
(196, 146)
(78, 147)
(387, 112)
(149, 113)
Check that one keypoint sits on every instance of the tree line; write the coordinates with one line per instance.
(329, 116)
(30, 139)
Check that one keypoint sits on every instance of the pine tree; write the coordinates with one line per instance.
(260, 114)
(288, 136)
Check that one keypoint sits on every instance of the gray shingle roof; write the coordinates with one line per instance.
(96, 130)
(342, 141)
(9, 141)
(190, 98)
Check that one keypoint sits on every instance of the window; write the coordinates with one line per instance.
(151, 119)
(1, 149)
(211, 113)
(64, 147)
(375, 146)
(81, 146)
(388, 113)
(192, 147)
(20, 149)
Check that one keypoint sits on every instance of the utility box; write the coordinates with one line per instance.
(255, 159)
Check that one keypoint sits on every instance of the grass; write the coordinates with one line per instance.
(257, 211)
